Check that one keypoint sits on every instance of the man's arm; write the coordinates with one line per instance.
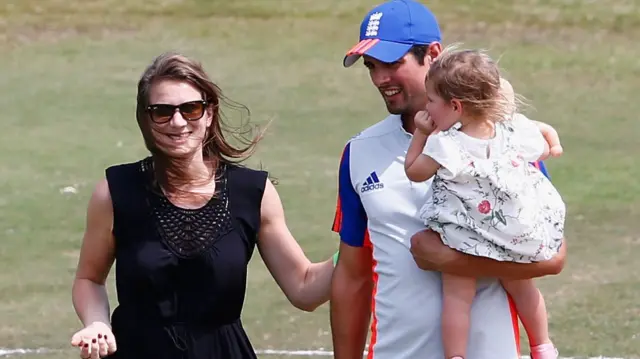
(352, 281)
(431, 254)
(484, 267)
(350, 305)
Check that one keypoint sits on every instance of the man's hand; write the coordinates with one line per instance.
(430, 253)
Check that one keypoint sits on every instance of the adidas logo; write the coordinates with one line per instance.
(371, 183)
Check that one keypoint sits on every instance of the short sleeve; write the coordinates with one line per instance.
(444, 149)
(530, 141)
(350, 220)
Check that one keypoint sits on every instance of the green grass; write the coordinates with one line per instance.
(68, 76)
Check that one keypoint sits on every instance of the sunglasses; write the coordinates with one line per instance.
(190, 111)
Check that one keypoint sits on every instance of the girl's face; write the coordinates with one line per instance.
(444, 114)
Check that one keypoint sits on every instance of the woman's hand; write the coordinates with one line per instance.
(95, 341)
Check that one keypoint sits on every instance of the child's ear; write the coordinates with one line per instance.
(456, 105)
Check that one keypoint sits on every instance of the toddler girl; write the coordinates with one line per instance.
(485, 198)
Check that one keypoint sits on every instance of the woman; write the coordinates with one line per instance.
(182, 225)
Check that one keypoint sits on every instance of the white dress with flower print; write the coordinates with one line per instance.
(487, 200)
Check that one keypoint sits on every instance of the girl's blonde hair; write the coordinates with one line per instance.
(473, 78)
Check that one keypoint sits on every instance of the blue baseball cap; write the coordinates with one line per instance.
(389, 30)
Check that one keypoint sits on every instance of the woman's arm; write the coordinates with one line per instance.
(89, 294)
(307, 285)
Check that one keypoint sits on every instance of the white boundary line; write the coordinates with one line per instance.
(327, 353)
(23, 351)
(304, 353)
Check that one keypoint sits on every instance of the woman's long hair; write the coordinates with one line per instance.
(171, 172)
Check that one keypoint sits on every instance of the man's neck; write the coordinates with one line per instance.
(408, 122)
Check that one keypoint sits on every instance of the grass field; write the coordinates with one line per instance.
(68, 71)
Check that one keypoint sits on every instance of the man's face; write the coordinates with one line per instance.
(400, 83)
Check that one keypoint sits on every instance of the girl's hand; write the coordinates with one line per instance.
(553, 140)
(424, 123)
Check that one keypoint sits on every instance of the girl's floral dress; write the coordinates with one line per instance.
(487, 200)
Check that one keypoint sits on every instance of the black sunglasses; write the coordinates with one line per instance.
(190, 111)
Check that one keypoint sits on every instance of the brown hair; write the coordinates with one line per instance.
(216, 147)
(473, 78)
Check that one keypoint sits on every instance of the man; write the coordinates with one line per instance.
(388, 265)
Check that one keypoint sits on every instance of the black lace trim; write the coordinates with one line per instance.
(189, 232)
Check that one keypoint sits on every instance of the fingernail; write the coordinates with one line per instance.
(86, 345)
(105, 337)
(99, 336)
(93, 340)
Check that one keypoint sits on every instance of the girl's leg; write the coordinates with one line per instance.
(456, 312)
(533, 313)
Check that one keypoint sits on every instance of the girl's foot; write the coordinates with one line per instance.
(544, 351)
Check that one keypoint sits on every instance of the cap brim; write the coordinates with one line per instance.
(385, 51)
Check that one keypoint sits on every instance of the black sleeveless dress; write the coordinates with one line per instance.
(180, 273)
